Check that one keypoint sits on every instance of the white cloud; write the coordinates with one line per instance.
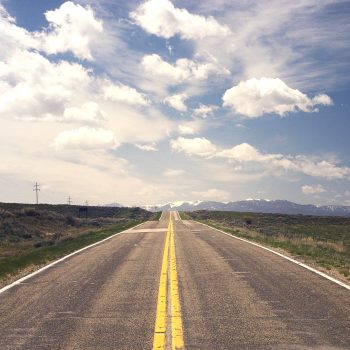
(183, 69)
(12, 36)
(124, 93)
(32, 89)
(154, 64)
(286, 39)
(162, 18)
(35, 88)
(177, 102)
(255, 97)
(199, 146)
(72, 28)
(86, 138)
(107, 177)
(190, 128)
(88, 113)
(313, 189)
(205, 111)
(212, 194)
(147, 147)
(173, 172)
(319, 168)
(246, 154)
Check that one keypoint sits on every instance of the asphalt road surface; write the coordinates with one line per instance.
(231, 295)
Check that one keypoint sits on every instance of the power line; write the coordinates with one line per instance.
(69, 200)
(37, 189)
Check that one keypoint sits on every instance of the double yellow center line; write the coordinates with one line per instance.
(168, 327)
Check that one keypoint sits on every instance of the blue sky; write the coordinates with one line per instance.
(144, 102)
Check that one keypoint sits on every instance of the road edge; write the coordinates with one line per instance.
(24, 278)
(305, 266)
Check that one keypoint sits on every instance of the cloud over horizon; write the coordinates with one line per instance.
(245, 154)
(177, 96)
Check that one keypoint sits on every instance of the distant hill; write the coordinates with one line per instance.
(256, 206)
(48, 224)
(116, 210)
(114, 205)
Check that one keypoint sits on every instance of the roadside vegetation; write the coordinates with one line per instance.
(321, 241)
(32, 236)
(156, 216)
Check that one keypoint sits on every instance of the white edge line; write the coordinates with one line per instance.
(4, 289)
(340, 283)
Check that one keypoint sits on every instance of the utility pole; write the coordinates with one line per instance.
(86, 203)
(69, 200)
(37, 189)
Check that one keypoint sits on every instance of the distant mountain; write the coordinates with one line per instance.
(115, 205)
(256, 206)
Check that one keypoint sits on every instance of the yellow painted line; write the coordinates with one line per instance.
(160, 325)
(177, 341)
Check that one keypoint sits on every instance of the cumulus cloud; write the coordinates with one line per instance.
(72, 28)
(255, 97)
(212, 194)
(183, 69)
(162, 18)
(177, 102)
(89, 113)
(320, 168)
(205, 111)
(86, 138)
(199, 146)
(246, 154)
(313, 189)
(123, 93)
(35, 88)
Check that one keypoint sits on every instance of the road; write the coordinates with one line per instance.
(205, 291)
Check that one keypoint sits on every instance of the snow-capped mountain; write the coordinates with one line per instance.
(256, 206)
(114, 205)
(177, 205)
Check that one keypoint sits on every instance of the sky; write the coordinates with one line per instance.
(146, 102)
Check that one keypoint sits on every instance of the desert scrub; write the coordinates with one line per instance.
(156, 216)
(45, 251)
